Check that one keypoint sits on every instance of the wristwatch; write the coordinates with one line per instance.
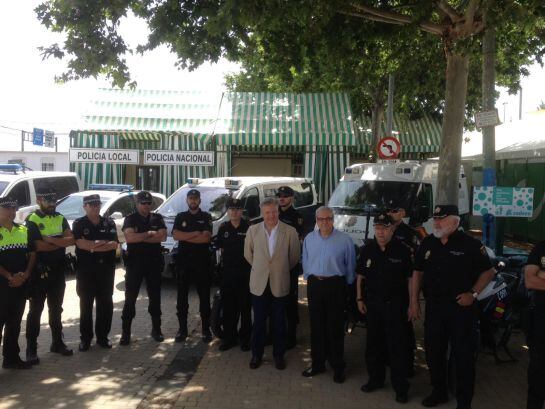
(474, 293)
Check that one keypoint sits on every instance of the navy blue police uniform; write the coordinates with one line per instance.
(386, 274)
(536, 336)
(235, 282)
(95, 276)
(15, 248)
(448, 270)
(143, 261)
(294, 219)
(193, 266)
(48, 279)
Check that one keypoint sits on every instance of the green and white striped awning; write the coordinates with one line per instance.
(416, 136)
(253, 118)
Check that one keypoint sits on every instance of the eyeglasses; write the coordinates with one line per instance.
(145, 203)
(324, 219)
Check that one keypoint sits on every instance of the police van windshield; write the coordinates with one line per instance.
(213, 201)
(359, 194)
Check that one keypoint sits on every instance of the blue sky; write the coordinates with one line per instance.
(30, 98)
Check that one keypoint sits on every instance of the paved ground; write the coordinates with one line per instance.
(151, 375)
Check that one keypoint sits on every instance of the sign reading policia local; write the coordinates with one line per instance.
(503, 201)
(91, 155)
(188, 158)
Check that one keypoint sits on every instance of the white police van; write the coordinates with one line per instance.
(368, 187)
(250, 190)
(21, 184)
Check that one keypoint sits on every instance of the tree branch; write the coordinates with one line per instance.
(385, 16)
(449, 11)
(470, 14)
(372, 18)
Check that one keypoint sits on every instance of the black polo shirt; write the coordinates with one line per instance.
(141, 224)
(537, 258)
(188, 222)
(293, 218)
(386, 273)
(34, 231)
(83, 228)
(231, 240)
(450, 269)
(407, 235)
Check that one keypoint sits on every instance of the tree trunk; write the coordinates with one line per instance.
(377, 115)
(453, 127)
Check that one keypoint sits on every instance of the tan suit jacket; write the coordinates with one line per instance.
(275, 269)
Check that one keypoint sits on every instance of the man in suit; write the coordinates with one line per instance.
(273, 249)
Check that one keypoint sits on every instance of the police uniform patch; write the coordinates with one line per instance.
(427, 255)
(86, 231)
(226, 235)
(184, 224)
(368, 263)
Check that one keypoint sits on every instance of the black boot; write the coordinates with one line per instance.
(126, 333)
(58, 346)
(206, 333)
(156, 333)
(182, 333)
(32, 352)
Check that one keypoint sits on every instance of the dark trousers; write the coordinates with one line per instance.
(292, 306)
(136, 272)
(12, 307)
(51, 288)
(237, 303)
(387, 338)
(95, 283)
(262, 304)
(449, 323)
(326, 303)
(193, 271)
(536, 366)
(411, 347)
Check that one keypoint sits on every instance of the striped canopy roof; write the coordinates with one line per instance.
(253, 118)
(420, 135)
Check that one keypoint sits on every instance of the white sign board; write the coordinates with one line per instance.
(49, 139)
(180, 158)
(98, 155)
(503, 201)
(487, 118)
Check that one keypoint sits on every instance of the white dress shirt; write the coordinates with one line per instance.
(271, 238)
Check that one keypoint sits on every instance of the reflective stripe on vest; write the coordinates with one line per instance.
(17, 238)
(48, 225)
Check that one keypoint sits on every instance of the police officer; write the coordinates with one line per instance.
(407, 235)
(96, 243)
(534, 279)
(289, 215)
(193, 230)
(51, 233)
(452, 268)
(235, 279)
(383, 294)
(17, 259)
(144, 231)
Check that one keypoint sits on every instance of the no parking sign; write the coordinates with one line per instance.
(388, 148)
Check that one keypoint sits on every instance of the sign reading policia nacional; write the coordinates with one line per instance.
(180, 158)
(92, 155)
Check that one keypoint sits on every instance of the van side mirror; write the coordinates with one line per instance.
(116, 215)
(421, 214)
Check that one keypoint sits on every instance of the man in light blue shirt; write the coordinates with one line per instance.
(329, 262)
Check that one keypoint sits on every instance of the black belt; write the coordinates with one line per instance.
(325, 278)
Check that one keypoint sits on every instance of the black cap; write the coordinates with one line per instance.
(442, 211)
(47, 195)
(233, 203)
(394, 204)
(144, 197)
(8, 202)
(285, 191)
(194, 192)
(383, 219)
(90, 199)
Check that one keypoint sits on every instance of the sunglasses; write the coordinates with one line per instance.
(145, 203)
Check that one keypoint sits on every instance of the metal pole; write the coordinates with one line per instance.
(489, 144)
(22, 141)
(520, 103)
(390, 109)
(56, 144)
